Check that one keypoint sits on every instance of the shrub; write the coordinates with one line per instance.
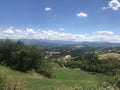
(72, 64)
(45, 69)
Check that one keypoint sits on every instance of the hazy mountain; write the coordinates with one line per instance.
(58, 43)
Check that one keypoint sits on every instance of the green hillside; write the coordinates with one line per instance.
(64, 79)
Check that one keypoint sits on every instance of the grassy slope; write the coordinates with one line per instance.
(64, 80)
(109, 55)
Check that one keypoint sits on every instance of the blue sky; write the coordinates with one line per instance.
(77, 20)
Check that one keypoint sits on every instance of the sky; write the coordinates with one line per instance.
(76, 20)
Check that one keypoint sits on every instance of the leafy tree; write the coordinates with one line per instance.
(109, 66)
(6, 49)
(29, 57)
(19, 56)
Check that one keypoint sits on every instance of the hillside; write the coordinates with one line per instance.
(64, 79)
(109, 55)
(26, 67)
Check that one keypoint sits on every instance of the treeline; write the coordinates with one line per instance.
(21, 57)
(89, 62)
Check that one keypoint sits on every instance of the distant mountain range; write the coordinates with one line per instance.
(59, 43)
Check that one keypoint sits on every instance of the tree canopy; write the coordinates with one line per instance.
(19, 56)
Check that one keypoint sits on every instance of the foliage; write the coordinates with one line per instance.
(19, 56)
(27, 58)
(72, 64)
(60, 61)
(109, 66)
(46, 69)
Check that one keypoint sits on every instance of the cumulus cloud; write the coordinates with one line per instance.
(9, 31)
(81, 15)
(113, 4)
(47, 9)
(106, 36)
(30, 33)
(105, 32)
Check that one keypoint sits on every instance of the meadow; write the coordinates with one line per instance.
(64, 79)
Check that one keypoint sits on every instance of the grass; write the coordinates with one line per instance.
(65, 79)
(109, 55)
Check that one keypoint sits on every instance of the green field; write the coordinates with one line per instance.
(65, 79)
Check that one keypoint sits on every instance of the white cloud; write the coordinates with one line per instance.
(30, 33)
(8, 31)
(81, 15)
(113, 4)
(47, 9)
(105, 32)
(61, 29)
(104, 8)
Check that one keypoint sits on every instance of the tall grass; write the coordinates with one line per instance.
(8, 82)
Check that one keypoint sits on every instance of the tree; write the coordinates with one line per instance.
(19, 56)
(29, 57)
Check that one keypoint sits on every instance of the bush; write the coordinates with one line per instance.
(45, 69)
(72, 64)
